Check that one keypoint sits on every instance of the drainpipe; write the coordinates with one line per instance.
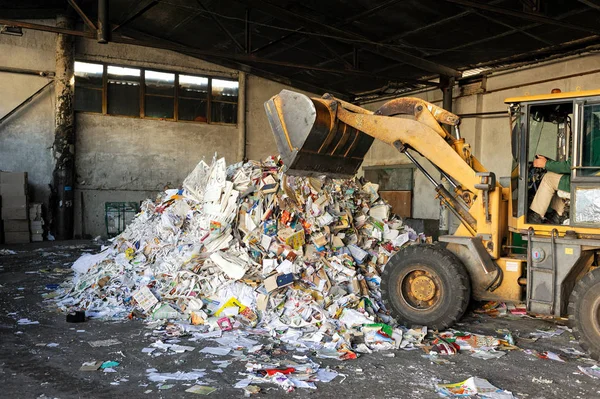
(103, 23)
(447, 84)
(242, 122)
(63, 149)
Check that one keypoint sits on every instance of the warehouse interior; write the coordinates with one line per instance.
(483, 53)
(107, 103)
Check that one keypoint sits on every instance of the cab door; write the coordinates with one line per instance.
(585, 176)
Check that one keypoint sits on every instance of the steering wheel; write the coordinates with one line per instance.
(534, 177)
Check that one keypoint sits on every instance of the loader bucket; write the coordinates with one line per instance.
(310, 138)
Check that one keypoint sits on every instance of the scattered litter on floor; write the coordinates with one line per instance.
(246, 252)
(593, 371)
(24, 322)
(109, 364)
(90, 366)
(154, 376)
(201, 390)
(104, 342)
(471, 387)
(7, 252)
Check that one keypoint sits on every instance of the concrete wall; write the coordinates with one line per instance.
(260, 142)
(26, 136)
(119, 159)
(490, 136)
(124, 159)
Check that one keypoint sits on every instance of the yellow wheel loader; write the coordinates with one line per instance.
(501, 250)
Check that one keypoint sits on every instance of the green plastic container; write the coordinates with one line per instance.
(118, 215)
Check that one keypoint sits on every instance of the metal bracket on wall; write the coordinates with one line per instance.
(27, 100)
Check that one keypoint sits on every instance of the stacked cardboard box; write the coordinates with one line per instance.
(15, 207)
(36, 223)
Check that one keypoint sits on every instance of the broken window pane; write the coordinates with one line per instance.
(123, 91)
(88, 87)
(224, 101)
(160, 94)
(193, 98)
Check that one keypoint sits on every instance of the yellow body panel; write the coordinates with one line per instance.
(518, 225)
(555, 96)
(510, 290)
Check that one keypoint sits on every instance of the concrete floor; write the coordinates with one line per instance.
(31, 369)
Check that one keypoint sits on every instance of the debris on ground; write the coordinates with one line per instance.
(246, 246)
(593, 371)
(255, 265)
(471, 387)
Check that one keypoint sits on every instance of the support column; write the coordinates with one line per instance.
(447, 84)
(63, 148)
(241, 117)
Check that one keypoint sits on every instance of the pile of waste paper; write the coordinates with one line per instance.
(248, 246)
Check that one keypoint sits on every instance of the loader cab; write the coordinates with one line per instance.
(565, 129)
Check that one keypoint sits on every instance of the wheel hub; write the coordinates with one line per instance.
(420, 289)
(423, 288)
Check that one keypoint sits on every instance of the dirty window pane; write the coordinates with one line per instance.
(160, 94)
(192, 110)
(224, 101)
(160, 107)
(88, 74)
(225, 90)
(88, 87)
(160, 83)
(590, 159)
(223, 112)
(123, 91)
(88, 100)
(193, 87)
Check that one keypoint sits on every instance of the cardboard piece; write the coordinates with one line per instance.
(13, 189)
(12, 237)
(90, 366)
(271, 283)
(15, 178)
(277, 281)
(16, 226)
(35, 211)
(14, 207)
(14, 201)
(14, 213)
(37, 238)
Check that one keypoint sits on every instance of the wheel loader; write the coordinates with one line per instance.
(499, 252)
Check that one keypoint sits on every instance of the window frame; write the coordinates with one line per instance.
(142, 115)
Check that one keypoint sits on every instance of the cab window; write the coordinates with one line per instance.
(590, 141)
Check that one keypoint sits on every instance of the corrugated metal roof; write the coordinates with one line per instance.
(352, 47)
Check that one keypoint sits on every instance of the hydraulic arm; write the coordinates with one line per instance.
(328, 135)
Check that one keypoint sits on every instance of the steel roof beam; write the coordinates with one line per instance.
(135, 14)
(83, 16)
(221, 26)
(355, 39)
(524, 15)
(347, 21)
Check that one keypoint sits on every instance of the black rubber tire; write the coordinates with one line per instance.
(454, 279)
(584, 313)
